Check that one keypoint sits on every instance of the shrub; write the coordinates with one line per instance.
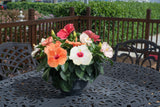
(98, 8)
(12, 15)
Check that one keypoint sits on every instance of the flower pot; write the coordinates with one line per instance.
(77, 88)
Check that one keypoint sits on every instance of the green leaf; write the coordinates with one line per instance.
(79, 73)
(45, 75)
(65, 86)
(71, 67)
(42, 64)
(57, 68)
(89, 70)
(101, 55)
(92, 61)
(64, 67)
(101, 69)
(83, 67)
(63, 76)
(111, 62)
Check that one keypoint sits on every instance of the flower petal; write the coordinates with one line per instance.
(55, 54)
(63, 34)
(92, 35)
(47, 41)
(84, 59)
(84, 38)
(69, 28)
(107, 50)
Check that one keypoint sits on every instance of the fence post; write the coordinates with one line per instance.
(32, 28)
(148, 16)
(31, 14)
(72, 11)
(89, 22)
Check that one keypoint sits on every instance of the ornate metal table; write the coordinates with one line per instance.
(122, 85)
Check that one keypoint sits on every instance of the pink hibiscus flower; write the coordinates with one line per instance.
(92, 35)
(64, 33)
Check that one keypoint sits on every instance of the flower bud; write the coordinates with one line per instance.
(100, 44)
(74, 34)
(52, 32)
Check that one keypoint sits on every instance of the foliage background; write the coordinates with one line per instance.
(98, 8)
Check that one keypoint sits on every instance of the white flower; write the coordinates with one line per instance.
(107, 50)
(35, 50)
(42, 40)
(80, 55)
(84, 38)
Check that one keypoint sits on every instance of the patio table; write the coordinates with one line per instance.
(122, 85)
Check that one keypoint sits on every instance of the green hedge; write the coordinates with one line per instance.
(98, 8)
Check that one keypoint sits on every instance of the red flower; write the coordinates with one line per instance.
(64, 33)
(92, 35)
(69, 28)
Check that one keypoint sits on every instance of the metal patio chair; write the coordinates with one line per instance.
(15, 58)
(140, 52)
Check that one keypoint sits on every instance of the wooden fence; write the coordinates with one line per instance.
(112, 30)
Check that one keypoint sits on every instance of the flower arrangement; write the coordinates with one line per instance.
(69, 56)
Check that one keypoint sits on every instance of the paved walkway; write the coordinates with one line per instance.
(154, 39)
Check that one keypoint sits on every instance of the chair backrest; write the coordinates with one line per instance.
(15, 58)
(138, 52)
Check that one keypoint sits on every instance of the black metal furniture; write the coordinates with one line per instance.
(122, 85)
(15, 58)
(138, 52)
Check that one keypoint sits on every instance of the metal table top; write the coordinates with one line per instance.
(122, 85)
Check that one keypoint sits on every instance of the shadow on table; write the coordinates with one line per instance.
(145, 77)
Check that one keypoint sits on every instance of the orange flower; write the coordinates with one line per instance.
(75, 43)
(47, 41)
(55, 54)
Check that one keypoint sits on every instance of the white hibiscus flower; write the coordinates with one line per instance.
(84, 38)
(35, 50)
(107, 50)
(80, 55)
(42, 40)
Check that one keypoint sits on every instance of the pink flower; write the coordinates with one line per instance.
(47, 41)
(64, 33)
(69, 28)
(107, 50)
(92, 35)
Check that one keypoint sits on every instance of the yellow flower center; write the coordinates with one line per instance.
(107, 49)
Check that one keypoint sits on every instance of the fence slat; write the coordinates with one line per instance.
(113, 33)
(10, 34)
(108, 30)
(127, 30)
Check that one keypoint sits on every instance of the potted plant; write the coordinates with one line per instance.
(69, 58)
